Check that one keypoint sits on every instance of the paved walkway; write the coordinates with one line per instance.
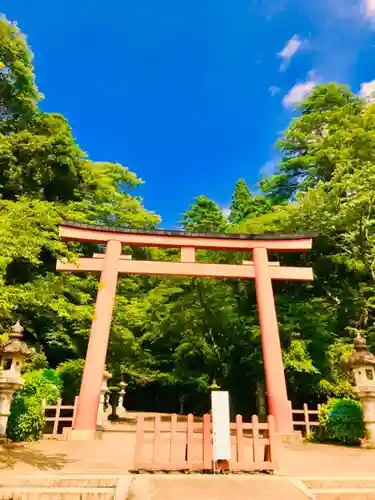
(67, 456)
(116, 457)
(310, 459)
(201, 487)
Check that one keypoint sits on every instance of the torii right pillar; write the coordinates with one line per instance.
(278, 403)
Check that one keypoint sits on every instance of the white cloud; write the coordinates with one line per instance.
(298, 93)
(368, 7)
(290, 49)
(273, 90)
(368, 90)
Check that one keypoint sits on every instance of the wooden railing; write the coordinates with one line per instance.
(186, 444)
(59, 417)
(307, 422)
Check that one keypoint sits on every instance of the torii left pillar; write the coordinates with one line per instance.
(88, 401)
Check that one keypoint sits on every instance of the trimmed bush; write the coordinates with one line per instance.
(341, 421)
(26, 419)
(70, 373)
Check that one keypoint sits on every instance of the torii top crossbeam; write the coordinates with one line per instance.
(77, 231)
(188, 242)
(112, 263)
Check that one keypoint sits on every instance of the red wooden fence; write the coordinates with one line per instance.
(57, 418)
(307, 423)
(186, 444)
(60, 420)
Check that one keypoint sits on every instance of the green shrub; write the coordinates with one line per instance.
(38, 361)
(26, 419)
(43, 384)
(70, 373)
(341, 421)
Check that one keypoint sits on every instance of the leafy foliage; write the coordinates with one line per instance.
(18, 92)
(341, 420)
(204, 216)
(244, 205)
(172, 336)
(70, 374)
(26, 419)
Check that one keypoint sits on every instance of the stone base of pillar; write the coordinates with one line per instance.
(121, 412)
(367, 444)
(294, 437)
(79, 435)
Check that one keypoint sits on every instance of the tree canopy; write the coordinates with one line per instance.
(171, 337)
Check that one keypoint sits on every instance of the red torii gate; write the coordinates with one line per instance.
(112, 263)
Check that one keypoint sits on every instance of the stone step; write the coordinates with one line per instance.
(343, 494)
(59, 481)
(338, 488)
(64, 487)
(38, 493)
(337, 483)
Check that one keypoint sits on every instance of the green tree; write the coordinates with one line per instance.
(171, 336)
(18, 92)
(316, 140)
(45, 178)
(245, 205)
(204, 216)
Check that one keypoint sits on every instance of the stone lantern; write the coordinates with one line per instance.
(121, 412)
(362, 366)
(102, 416)
(13, 353)
(214, 386)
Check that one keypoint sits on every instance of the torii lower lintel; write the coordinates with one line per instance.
(165, 268)
(112, 263)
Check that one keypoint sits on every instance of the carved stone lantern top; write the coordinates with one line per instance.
(214, 386)
(106, 377)
(15, 345)
(362, 356)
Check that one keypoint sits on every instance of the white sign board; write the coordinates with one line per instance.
(221, 425)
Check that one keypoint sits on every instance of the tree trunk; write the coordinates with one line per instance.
(261, 401)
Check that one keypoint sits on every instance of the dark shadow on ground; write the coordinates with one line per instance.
(13, 454)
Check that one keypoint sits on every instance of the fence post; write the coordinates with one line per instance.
(207, 442)
(255, 430)
(139, 440)
(291, 412)
(307, 418)
(57, 418)
(157, 439)
(190, 441)
(240, 444)
(74, 410)
(273, 446)
(174, 442)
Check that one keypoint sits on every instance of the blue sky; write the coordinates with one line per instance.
(191, 95)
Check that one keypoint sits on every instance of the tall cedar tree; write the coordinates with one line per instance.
(204, 216)
(244, 205)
